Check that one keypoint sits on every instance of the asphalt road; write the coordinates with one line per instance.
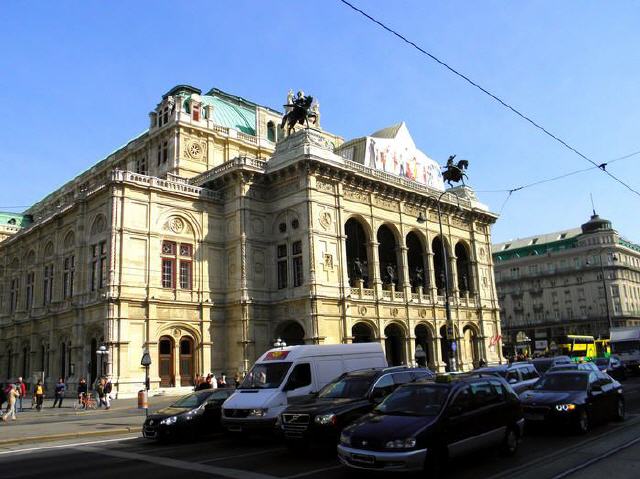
(542, 455)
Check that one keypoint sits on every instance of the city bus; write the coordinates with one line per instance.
(579, 347)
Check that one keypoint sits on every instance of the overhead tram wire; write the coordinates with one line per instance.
(601, 166)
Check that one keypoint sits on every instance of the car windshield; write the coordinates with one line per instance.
(353, 387)
(543, 364)
(266, 375)
(563, 382)
(191, 401)
(499, 372)
(415, 400)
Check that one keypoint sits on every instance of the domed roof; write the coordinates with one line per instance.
(596, 224)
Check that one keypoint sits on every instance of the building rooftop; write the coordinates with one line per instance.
(15, 219)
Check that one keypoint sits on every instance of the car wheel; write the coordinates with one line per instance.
(583, 423)
(510, 442)
(620, 411)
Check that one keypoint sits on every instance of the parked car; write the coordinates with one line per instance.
(520, 376)
(543, 364)
(339, 403)
(584, 366)
(575, 399)
(282, 374)
(421, 425)
(190, 416)
(613, 366)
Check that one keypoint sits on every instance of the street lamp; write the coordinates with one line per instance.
(146, 362)
(451, 343)
(102, 352)
(604, 283)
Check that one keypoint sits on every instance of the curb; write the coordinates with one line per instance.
(70, 435)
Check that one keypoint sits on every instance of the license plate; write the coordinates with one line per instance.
(534, 417)
(363, 458)
(235, 428)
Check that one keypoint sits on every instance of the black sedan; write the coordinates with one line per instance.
(573, 399)
(191, 416)
(613, 366)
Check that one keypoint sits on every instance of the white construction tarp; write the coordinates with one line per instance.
(625, 334)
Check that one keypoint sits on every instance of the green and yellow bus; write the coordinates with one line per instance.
(583, 348)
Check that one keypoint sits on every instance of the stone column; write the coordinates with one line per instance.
(374, 269)
(431, 272)
(176, 363)
(453, 278)
(404, 272)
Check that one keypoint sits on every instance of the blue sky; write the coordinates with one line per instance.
(77, 79)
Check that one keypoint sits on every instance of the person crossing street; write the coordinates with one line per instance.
(59, 393)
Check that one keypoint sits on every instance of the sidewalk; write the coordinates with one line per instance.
(61, 423)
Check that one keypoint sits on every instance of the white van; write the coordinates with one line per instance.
(289, 372)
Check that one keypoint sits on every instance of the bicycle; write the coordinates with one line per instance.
(86, 402)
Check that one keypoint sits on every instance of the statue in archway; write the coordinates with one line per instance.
(357, 268)
(391, 273)
(419, 276)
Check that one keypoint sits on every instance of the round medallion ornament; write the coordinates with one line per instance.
(325, 219)
(176, 225)
(362, 310)
(195, 150)
(394, 312)
(422, 313)
(176, 333)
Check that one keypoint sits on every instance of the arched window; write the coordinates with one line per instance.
(362, 333)
(291, 333)
(271, 131)
(465, 285)
(357, 246)
(388, 256)
(440, 262)
(416, 261)
(394, 345)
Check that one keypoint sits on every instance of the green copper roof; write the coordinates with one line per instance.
(629, 244)
(230, 114)
(536, 250)
(15, 219)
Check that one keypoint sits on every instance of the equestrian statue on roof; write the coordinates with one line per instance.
(455, 172)
(299, 110)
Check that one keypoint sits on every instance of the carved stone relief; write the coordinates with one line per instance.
(324, 186)
(356, 195)
(325, 219)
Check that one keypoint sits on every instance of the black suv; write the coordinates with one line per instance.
(421, 425)
(350, 396)
(521, 376)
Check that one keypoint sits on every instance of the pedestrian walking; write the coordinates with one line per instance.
(108, 387)
(22, 390)
(214, 381)
(3, 395)
(59, 393)
(236, 380)
(12, 398)
(222, 382)
(83, 391)
(206, 384)
(38, 393)
(100, 392)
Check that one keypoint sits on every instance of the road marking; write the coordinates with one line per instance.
(605, 455)
(248, 454)
(62, 446)
(308, 473)
(177, 464)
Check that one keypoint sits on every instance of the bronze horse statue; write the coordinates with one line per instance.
(300, 112)
(455, 172)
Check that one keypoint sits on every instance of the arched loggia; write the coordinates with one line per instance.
(439, 262)
(463, 266)
(388, 256)
(362, 333)
(291, 333)
(394, 345)
(357, 246)
(416, 262)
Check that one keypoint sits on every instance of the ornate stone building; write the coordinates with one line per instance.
(577, 281)
(211, 234)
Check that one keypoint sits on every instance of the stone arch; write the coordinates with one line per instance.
(395, 335)
(99, 224)
(363, 332)
(48, 249)
(177, 329)
(271, 131)
(440, 263)
(291, 332)
(359, 264)
(387, 238)
(187, 359)
(69, 240)
(425, 338)
(417, 260)
(470, 343)
(463, 267)
(286, 222)
(30, 258)
(190, 225)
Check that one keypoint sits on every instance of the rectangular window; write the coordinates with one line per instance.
(141, 166)
(165, 115)
(158, 156)
(282, 274)
(69, 273)
(47, 284)
(282, 251)
(30, 281)
(196, 112)
(103, 264)
(98, 265)
(298, 277)
(165, 152)
(168, 273)
(185, 274)
(14, 294)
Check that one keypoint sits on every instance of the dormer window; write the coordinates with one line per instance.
(195, 112)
